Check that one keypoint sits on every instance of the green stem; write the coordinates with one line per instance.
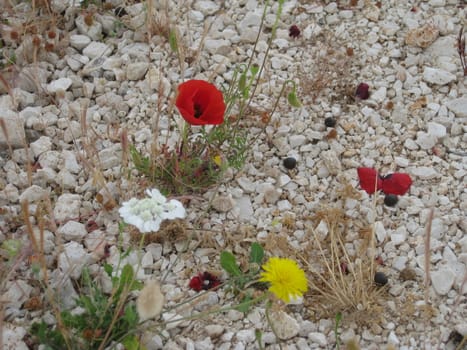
(222, 309)
(268, 318)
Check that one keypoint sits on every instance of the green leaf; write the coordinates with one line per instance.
(131, 343)
(130, 316)
(293, 100)
(229, 264)
(245, 304)
(108, 269)
(256, 253)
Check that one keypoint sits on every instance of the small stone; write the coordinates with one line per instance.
(379, 95)
(137, 70)
(458, 106)
(380, 278)
(72, 260)
(15, 127)
(73, 231)
(390, 200)
(32, 194)
(380, 231)
(43, 144)
(425, 140)
(318, 338)
(207, 7)
(214, 330)
(271, 194)
(424, 172)
(422, 36)
(223, 204)
(285, 325)
(332, 162)
(246, 184)
(297, 140)
(437, 76)
(97, 49)
(67, 207)
(246, 335)
(61, 84)
(79, 42)
(245, 208)
(442, 280)
(371, 12)
(284, 205)
(436, 129)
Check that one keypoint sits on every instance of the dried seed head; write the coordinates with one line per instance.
(49, 47)
(14, 35)
(89, 19)
(51, 34)
(36, 41)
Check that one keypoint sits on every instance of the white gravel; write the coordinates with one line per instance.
(106, 77)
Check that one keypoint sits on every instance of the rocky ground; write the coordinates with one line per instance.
(70, 86)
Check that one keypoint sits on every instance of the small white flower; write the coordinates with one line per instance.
(150, 301)
(148, 213)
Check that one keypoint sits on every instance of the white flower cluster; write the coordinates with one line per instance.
(148, 213)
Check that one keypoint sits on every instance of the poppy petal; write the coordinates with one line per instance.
(397, 183)
(200, 103)
(369, 180)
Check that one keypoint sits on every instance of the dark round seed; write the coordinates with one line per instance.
(380, 278)
(330, 122)
(390, 200)
(290, 162)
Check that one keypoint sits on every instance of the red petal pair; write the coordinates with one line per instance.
(371, 181)
(204, 281)
(200, 103)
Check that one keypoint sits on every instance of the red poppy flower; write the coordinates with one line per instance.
(371, 181)
(204, 281)
(200, 103)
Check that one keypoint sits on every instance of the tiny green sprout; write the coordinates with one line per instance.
(12, 247)
(293, 100)
(173, 40)
(242, 82)
(254, 69)
(338, 319)
(292, 96)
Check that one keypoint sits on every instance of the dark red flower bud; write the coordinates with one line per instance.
(294, 31)
(362, 91)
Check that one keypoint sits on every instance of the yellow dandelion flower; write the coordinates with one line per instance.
(287, 280)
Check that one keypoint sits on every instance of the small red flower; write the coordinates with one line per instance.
(371, 181)
(200, 103)
(204, 281)
(294, 31)
(363, 91)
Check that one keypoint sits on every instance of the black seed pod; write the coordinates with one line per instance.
(381, 279)
(290, 163)
(391, 200)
